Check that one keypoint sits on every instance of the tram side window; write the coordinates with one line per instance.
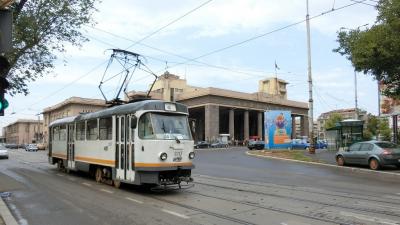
(56, 133)
(145, 127)
(80, 131)
(91, 131)
(63, 133)
(105, 128)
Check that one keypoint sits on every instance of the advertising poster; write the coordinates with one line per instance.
(278, 129)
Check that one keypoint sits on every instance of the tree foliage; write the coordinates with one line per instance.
(376, 50)
(332, 120)
(41, 29)
(377, 127)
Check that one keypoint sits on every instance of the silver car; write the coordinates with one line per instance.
(31, 148)
(3, 152)
(375, 154)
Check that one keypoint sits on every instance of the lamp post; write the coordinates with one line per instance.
(310, 94)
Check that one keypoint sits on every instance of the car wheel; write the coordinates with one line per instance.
(340, 161)
(374, 164)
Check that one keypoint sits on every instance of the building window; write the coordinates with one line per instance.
(80, 131)
(105, 125)
(56, 133)
(91, 131)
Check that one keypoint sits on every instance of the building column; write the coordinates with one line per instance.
(211, 123)
(304, 125)
(246, 125)
(294, 130)
(260, 124)
(232, 124)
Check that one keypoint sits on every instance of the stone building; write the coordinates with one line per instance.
(24, 131)
(345, 113)
(215, 111)
(70, 107)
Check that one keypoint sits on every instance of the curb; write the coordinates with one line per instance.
(382, 174)
(6, 214)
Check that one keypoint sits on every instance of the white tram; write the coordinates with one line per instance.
(146, 142)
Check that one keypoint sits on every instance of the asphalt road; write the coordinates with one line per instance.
(230, 188)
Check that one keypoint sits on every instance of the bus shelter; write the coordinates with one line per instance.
(345, 133)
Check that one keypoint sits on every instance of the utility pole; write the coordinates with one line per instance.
(310, 86)
(355, 94)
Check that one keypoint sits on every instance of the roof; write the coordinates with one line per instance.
(76, 100)
(121, 110)
(25, 121)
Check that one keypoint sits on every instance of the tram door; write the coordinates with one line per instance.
(70, 146)
(122, 148)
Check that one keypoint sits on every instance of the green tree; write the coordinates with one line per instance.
(332, 120)
(384, 130)
(376, 50)
(41, 29)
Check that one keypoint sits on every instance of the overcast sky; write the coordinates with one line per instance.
(213, 26)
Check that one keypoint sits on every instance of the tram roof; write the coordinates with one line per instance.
(123, 109)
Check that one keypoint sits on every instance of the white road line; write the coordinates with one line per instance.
(89, 185)
(107, 191)
(397, 193)
(71, 179)
(60, 175)
(134, 200)
(381, 206)
(369, 218)
(175, 214)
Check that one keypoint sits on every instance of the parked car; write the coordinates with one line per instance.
(259, 145)
(321, 144)
(202, 144)
(375, 154)
(300, 144)
(11, 146)
(219, 144)
(31, 148)
(3, 152)
(41, 146)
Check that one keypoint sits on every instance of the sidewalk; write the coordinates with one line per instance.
(323, 155)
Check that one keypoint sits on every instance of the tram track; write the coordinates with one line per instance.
(343, 195)
(369, 210)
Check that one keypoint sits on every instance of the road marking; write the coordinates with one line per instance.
(60, 175)
(71, 179)
(369, 218)
(397, 193)
(89, 185)
(391, 197)
(134, 200)
(382, 206)
(175, 214)
(107, 191)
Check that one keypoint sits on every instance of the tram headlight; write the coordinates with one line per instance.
(191, 155)
(163, 156)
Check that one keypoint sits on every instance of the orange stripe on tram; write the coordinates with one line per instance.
(93, 160)
(162, 164)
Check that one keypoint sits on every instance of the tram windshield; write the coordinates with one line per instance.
(164, 127)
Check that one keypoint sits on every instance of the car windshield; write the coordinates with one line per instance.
(387, 145)
(164, 127)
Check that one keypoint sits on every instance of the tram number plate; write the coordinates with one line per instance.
(177, 156)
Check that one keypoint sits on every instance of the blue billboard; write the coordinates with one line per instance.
(278, 129)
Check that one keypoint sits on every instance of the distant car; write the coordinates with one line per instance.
(300, 144)
(321, 145)
(3, 152)
(259, 145)
(202, 144)
(375, 154)
(11, 146)
(31, 148)
(41, 146)
(219, 144)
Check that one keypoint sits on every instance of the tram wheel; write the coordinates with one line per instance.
(117, 183)
(98, 175)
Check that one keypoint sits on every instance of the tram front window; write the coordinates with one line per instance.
(164, 127)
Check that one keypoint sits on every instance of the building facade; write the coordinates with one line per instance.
(345, 113)
(24, 132)
(70, 107)
(215, 111)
